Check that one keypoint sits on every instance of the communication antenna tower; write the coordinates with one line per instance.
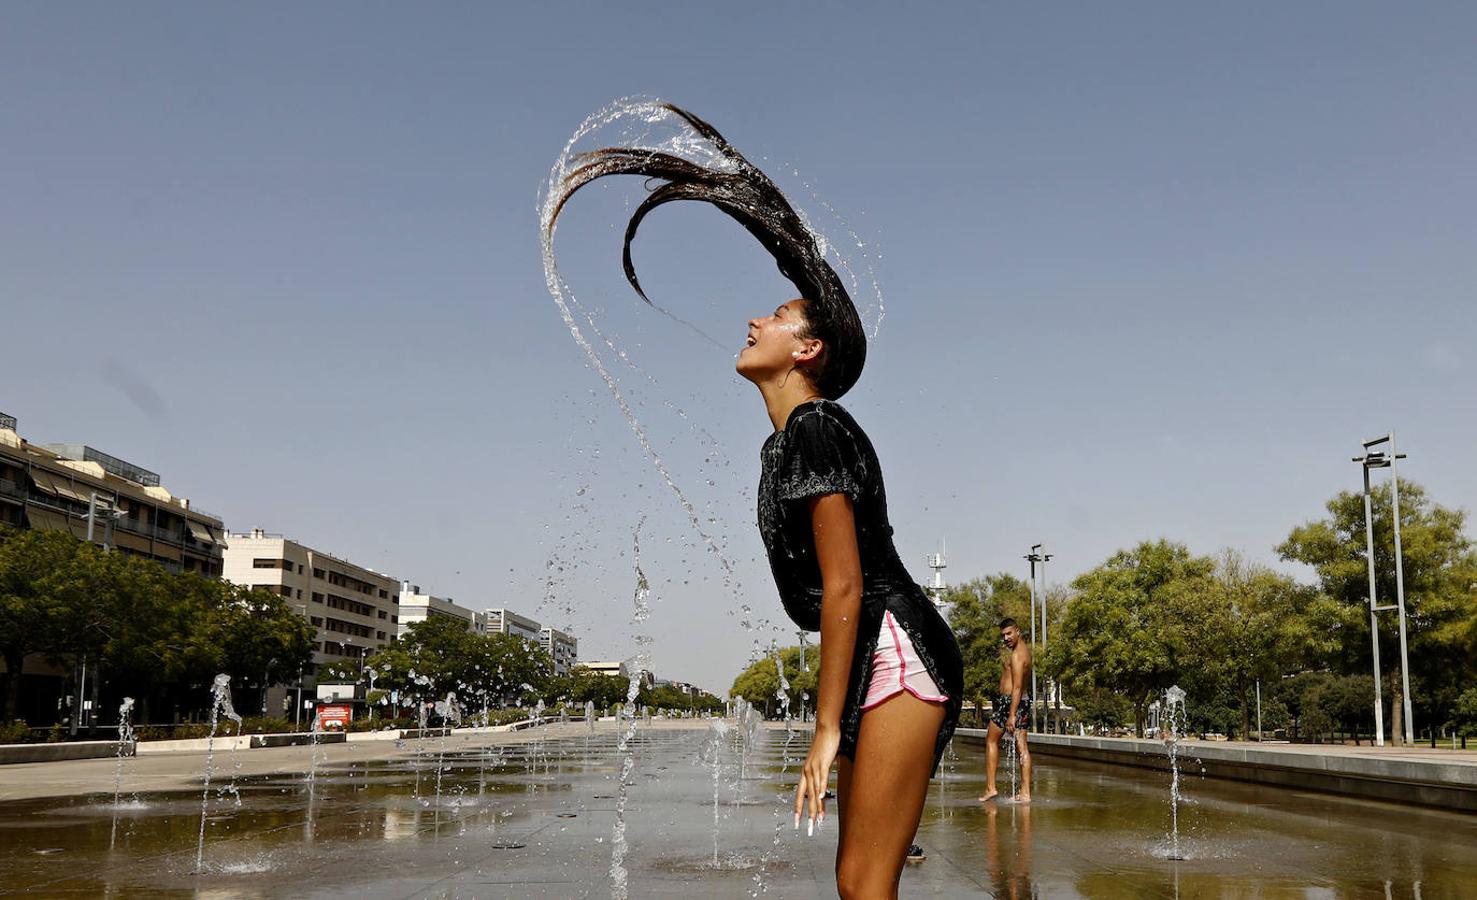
(937, 563)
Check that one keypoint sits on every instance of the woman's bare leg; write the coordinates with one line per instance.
(884, 794)
(843, 790)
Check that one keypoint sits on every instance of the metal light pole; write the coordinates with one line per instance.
(1033, 558)
(1381, 460)
(1051, 686)
(1259, 710)
(1400, 591)
(1374, 625)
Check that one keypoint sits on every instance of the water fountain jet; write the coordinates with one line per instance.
(220, 702)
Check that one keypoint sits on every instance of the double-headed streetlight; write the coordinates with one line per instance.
(1379, 459)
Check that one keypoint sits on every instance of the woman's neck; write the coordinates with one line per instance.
(782, 396)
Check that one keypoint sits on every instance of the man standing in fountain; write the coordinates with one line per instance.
(1011, 713)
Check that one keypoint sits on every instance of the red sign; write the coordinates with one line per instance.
(334, 716)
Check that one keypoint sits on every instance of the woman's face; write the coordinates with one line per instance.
(774, 345)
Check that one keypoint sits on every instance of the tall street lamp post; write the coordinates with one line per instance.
(1378, 459)
(1051, 685)
(1033, 558)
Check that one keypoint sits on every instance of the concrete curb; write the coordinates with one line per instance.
(31, 753)
(1435, 783)
(221, 742)
(296, 739)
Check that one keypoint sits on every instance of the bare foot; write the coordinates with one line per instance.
(990, 795)
(1023, 798)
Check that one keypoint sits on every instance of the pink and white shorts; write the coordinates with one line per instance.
(896, 668)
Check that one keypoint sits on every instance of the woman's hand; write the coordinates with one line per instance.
(816, 774)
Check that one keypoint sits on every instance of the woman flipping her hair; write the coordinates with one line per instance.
(891, 676)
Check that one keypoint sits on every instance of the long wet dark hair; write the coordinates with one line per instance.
(748, 196)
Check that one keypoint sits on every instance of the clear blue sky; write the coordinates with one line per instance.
(1150, 271)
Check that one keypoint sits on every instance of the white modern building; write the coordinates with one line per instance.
(505, 621)
(418, 607)
(614, 667)
(355, 610)
(564, 648)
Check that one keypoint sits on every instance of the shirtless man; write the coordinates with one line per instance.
(1011, 712)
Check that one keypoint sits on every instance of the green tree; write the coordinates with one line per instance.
(1243, 624)
(158, 640)
(439, 656)
(759, 682)
(265, 640)
(1440, 587)
(665, 696)
(1117, 632)
(976, 608)
(1102, 709)
(583, 686)
(49, 585)
(1464, 713)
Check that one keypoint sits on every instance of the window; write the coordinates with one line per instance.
(318, 573)
(317, 597)
(379, 635)
(315, 621)
(353, 606)
(383, 614)
(300, 568)
(260, 563)
(351, 628)
(383, 594)
(299, 593)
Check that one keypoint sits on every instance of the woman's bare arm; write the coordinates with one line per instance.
(834, 527)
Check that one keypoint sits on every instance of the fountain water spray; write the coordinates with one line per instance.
(640, 663)
(315, 730)
(450, 715)
(220, 702)
(713, 758)
(782, 694)
(1173, 724)
(1012, 763)
(126, 747)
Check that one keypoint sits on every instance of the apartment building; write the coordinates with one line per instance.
(418, 607)
(355, 610)
(614, 667)
(505, 621)
(564, 648)
(55, 487)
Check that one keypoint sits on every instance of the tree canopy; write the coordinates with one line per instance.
(158, 634)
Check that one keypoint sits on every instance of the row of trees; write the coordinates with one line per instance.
(1157, 615)
(156, 635)
(161, 637)
(439, 656)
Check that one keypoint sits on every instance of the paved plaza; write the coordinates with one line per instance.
(535, 814)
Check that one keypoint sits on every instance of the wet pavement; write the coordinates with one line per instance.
(536, 815)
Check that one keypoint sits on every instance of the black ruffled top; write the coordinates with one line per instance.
(822, 450)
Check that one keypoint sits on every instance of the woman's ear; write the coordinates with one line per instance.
(810, 348)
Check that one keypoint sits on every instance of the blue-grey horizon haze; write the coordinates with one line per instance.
(1150, 271)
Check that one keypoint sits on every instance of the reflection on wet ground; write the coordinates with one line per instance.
(535, 820)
